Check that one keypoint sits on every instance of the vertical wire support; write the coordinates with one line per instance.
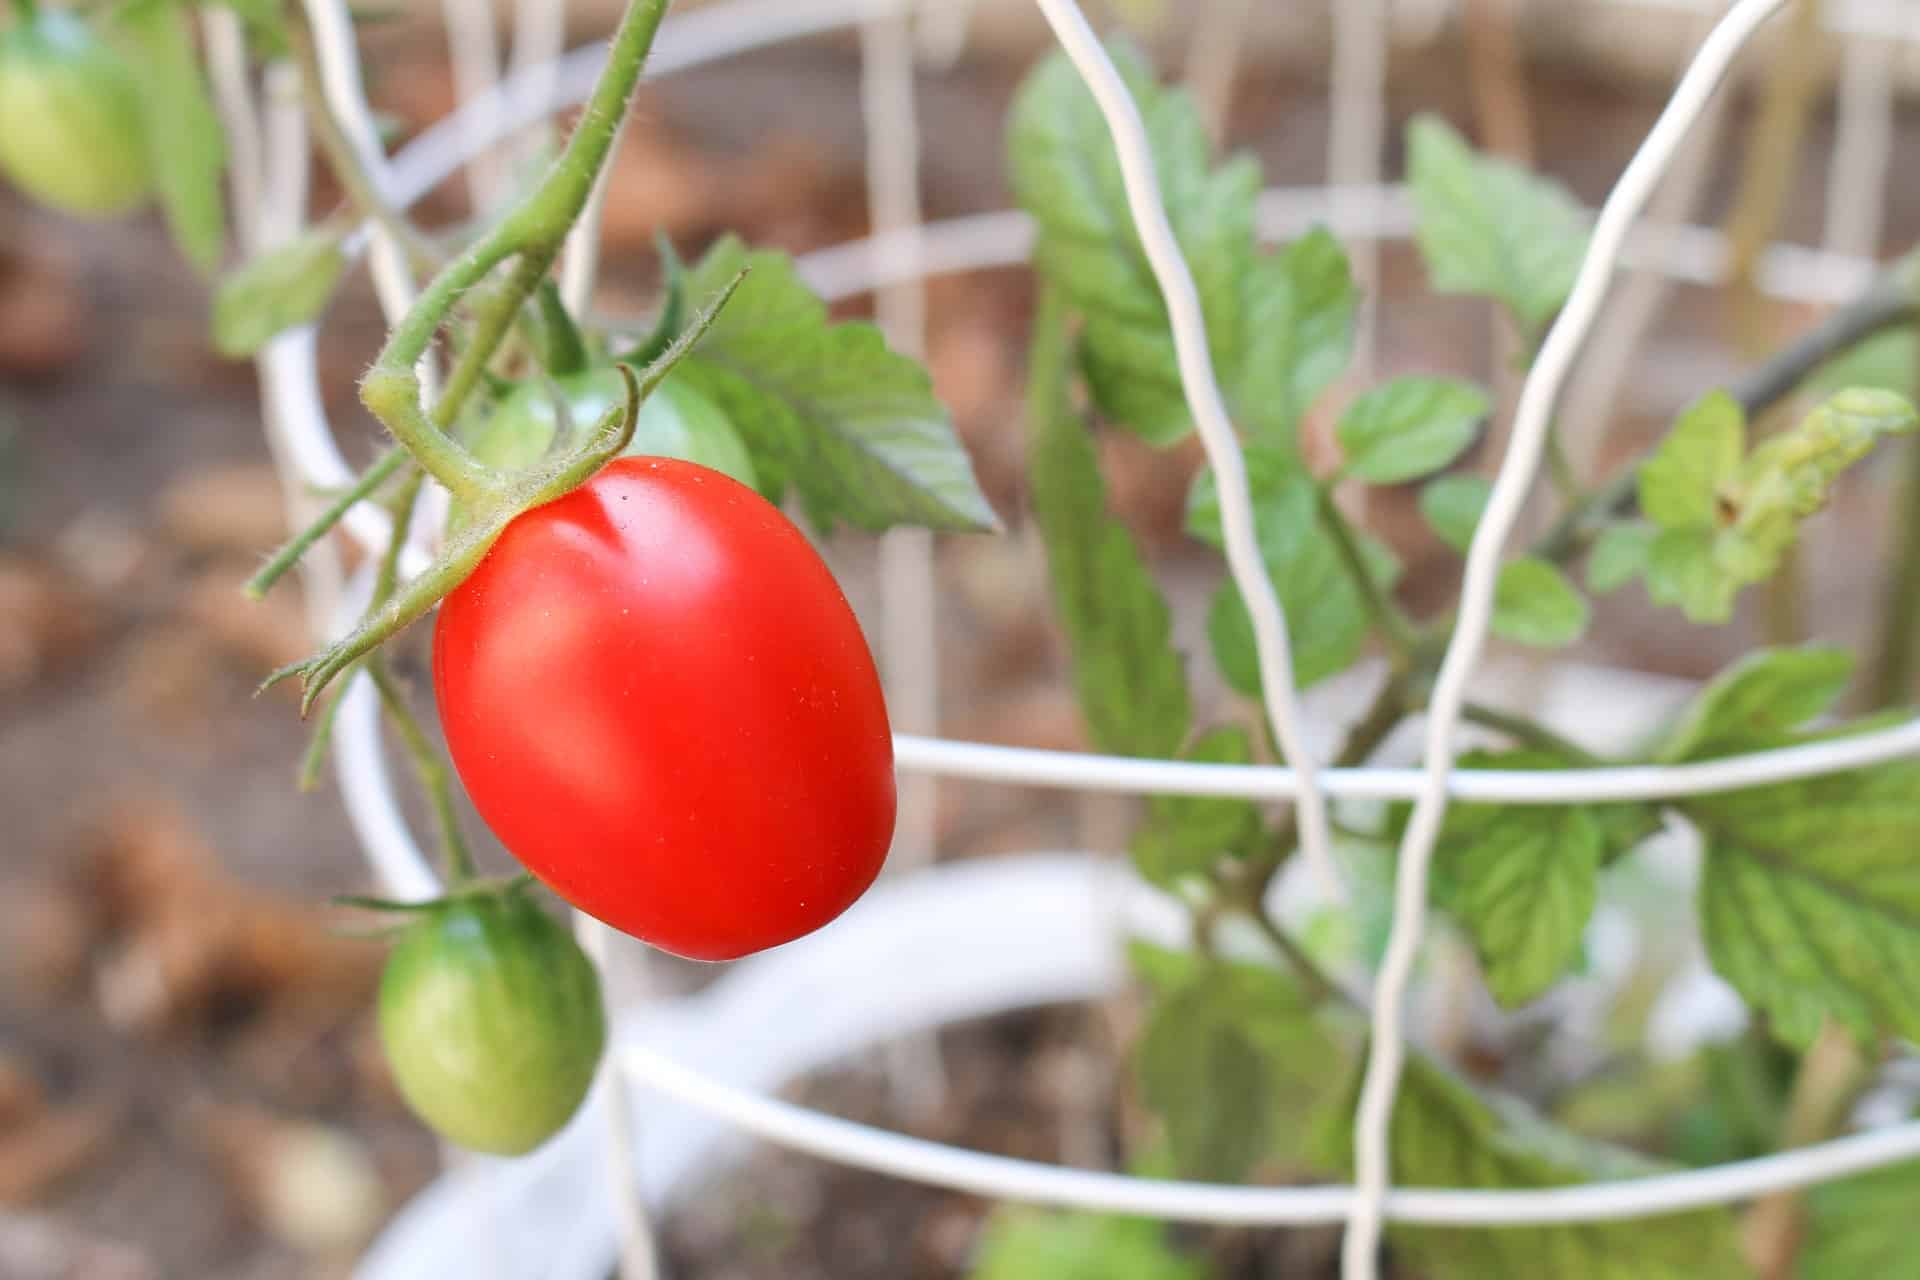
(1356, 136)
(1618, 338)
(340, 81)
(943, 31)
(473, 43)
(1863, 140)
(1387, 1050)
(1213, 60)
(234, 103)
(639, 1255)
(539, 38)
(908, 642)
(580, 255)
(1210, 420)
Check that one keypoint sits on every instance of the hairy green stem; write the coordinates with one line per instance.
(535, 231)
(435, 778)
(383, 469)
(1892, 680)
(1401, 634)
(1319, 987)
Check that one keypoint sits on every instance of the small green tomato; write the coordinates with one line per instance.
(491, 1018)
(70, 125)
(676, 421)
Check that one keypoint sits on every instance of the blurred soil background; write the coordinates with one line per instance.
(189, 1080)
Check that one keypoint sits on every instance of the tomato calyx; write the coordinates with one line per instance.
(491, 499)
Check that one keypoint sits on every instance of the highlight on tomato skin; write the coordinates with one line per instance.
(492, 1021)
(661, 702)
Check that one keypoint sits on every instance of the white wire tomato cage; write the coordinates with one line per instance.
(269, 151)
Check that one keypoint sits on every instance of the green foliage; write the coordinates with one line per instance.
(1862, 1228)
(1488, 228)
(1521, 879)
(1326, 614)
(1452, 506)
(1756, 700)
(1410, 427)
(282, 288)
(1535, 604)
(1131, 683)
(1809, 905)
(1185, 836)
(185, 144)
(1723, 516)
(1619, 555)
(1279, 326)
(1445, 1134)
(828, 407)
(1025, 1245)
(1233, 1060)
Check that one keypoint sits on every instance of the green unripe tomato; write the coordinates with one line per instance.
(491, 1018)
(676, 421)
(70, 126)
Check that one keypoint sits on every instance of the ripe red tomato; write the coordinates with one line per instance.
(660, 701)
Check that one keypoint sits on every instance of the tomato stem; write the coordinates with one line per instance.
(289, 554)
(490, 512)
(1401, 636)
(532, 234)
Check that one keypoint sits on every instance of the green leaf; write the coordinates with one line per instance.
(1521, 879)
(1681, 484)
(1131, 683)
(1488, 228)
(854, 426)
(1186, 835)
(1810, 901)
(1066, 173)
(1764, 695)
(1619, 555)
(184, 139)
(1410, 427)
(1021, 1244)
(1724, 520)
(1445, 1134)
(282, 288)
(1327, 618)
(1452, 506)
(1534, 604)
(1232, 1062)
(1862, 1228)
(1279, 326)
(1300, 305)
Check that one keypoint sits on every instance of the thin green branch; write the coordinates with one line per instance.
(428, 766)
(1401, 634)
(1892, 301)
(534, 231)
(1527, 732)
(383, 469)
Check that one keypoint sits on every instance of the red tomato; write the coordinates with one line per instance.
(661, 702)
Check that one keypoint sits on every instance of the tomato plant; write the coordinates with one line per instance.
(71, 134)
(491, 1018)
(661, 702)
